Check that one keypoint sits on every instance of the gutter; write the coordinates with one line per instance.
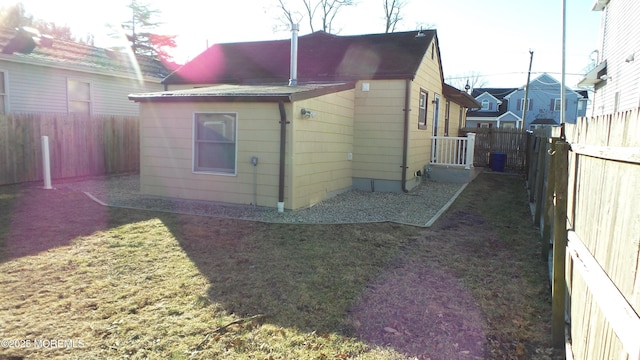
(283, 142)
(405, 138)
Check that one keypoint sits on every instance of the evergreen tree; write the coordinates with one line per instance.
(139, 32)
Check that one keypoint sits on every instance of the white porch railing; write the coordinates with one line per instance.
(453, 151)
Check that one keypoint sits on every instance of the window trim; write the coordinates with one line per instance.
(194, 142)
(485, 108)
(423, 110)
(557, 104)
(5, 95)
(70, 100)
(521, 104)
(436, 113)
(447, 111)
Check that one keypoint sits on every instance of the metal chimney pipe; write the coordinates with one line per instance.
(293, 80)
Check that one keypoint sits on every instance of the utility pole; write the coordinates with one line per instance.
(526, 92)
(563, 109)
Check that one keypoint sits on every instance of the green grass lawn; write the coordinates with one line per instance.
(137, 284)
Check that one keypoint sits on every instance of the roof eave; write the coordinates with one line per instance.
(78, 68)
(246, 97)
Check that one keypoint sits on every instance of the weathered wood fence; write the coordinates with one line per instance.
(79, 146)
(512, 142)
(586, 195)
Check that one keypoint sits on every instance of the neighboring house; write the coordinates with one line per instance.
(40, 74)
(504, 107)
(615, 73)
(493, 109)
(359, 112)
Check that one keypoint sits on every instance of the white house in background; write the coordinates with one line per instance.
(616, 72)
(41, 74)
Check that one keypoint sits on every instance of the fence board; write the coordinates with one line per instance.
(79, 146)
(513, 142)
(604, 185)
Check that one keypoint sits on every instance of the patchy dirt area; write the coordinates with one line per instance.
(473, 286)
(45, 219)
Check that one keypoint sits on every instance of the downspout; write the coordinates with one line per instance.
(405, 138)
(293, 81)
(283, 142)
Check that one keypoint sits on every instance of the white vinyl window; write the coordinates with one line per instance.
(485, 104)
(557, 104)
(79, 97)
(3, 92)
(214, 145)
(423, 106)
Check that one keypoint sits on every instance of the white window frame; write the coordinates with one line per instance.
(4, 96)
(485, 101)
(88, 101)
(529, 104)
(557, 104)
(196, 141)
(423, 107)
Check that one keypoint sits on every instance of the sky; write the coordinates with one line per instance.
(490, 38)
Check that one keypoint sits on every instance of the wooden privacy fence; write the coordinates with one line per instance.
(590, 211)
(79, 146)
(509, 141)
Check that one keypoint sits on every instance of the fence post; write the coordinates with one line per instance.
(541, 173)
(547, 209)
(471, 144)
(46, 163)
(559, 161)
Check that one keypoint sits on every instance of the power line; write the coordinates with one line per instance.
(509, 73)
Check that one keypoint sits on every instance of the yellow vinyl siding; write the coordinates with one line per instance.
(316, 160)
(166, 149)
(455, 122)
(378, 129)
(429, 78)
(321, 146)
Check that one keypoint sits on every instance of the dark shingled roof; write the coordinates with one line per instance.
(24, 45)
(321, 57)
(544, 122)
(460, 97)
(244, 93)
(498, 93)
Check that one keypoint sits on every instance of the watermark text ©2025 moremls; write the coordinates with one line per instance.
(42, 343)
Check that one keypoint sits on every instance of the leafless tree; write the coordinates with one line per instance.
(472, 78)
(287, 15)
(392, 16)
(323, 11)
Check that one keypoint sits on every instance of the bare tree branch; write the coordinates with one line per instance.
(322, 12)
(473, 78)
(392, 9)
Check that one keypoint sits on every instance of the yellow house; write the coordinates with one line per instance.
(289, 123)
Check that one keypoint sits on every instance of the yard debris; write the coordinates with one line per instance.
(391, 330)
(224, 327)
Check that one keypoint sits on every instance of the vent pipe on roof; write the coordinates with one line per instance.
(293, 80)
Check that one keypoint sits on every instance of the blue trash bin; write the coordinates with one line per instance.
(498, 161)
